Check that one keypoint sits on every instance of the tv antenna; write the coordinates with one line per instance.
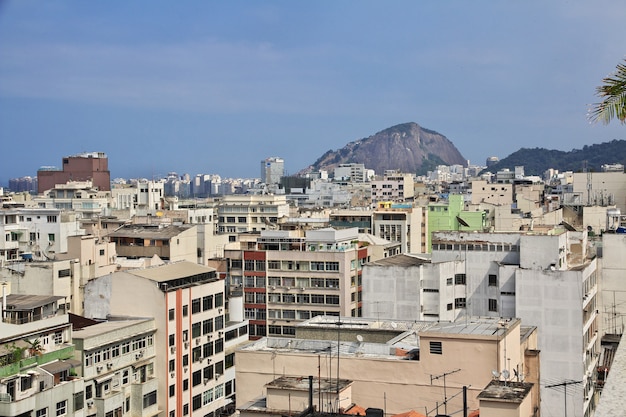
(564, 384)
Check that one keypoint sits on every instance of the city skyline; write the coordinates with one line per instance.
(215, 88)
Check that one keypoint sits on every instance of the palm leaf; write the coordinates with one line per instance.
(613, 94)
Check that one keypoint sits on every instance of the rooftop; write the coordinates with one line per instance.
(156, 231)
(172, 271)
(405, 260)
(513, 392)
(29, 302)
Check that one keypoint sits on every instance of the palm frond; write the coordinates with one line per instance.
(613, 94)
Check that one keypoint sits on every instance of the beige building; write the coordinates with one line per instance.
(401, 223)
(492, 193)
(506, 399)
(117, 360)
(187, 303)
(168, 242)
(396, 366)
(239, 213)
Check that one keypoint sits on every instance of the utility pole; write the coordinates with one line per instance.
(564, 384)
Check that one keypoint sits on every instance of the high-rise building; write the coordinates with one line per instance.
(272, 170)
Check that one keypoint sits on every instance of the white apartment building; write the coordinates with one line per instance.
(187, 303)
(272, 170)
(239, 213)
(394, 186)
(600, 188)
(37, 372)
(117, 360)
(352, 173)
(549, 280)
(78, 196)
(141, 197)
(35, 233)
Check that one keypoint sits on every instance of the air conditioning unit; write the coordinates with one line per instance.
(220, 334)
(172, 374)
(109, 365)
(200, 359)
(209, 337)
(302, 288)
(186, 368)
(138, 355)
(217, 376)
(273, 287)
(186, 345)
(89, 403)
(99, 368)
(172, 349)
(206, 381)
(197, 341)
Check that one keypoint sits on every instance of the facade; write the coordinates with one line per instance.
(250, 213)
(35, 233)
(394, 186)
(37, 372)
(78, 196)
(140, 197)
(117, 360)
(451, 215)
(287, 278)
(92, 166)
(361, 219)
(272, 170)
(168, 242)
(491, 193)
(402, 223)
(549, 280)
(600, 188)
(351, 173)
(392, 365)
(187, 303)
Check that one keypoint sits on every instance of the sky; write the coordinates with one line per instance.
(215, 87)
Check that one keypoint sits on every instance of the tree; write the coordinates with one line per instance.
(613, 94)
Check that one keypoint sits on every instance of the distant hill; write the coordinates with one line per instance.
(407, 147)
(537, 160)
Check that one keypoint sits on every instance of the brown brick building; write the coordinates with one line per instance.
(92, 166)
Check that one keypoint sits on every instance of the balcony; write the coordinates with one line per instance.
(16, 367)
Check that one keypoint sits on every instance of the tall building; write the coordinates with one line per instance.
(404, 223)
(240, 213)
(272, 170)
(188, 305)
(288, 278)
(92, 166)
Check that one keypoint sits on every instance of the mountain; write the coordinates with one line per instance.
(407, 147)
(537, 160)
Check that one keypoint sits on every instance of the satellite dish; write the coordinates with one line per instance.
(359, 338)
(506, 374)
(495, 374)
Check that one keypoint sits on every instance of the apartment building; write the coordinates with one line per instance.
(452, 215)
(117, 358)
(187, 303)
(35, 233)
(93, 166)
(80, 197)
(549, 280)
(288, 278)
(361, 219)
(394, 186)
(37, 372)
(402, 223)
(391, 365)
(250, 213)
(140, 197)
(167, 241)
(272, 170)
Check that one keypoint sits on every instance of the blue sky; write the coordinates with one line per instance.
(215, 87)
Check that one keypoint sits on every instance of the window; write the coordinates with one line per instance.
(52, 219)
(436, 348)
(459, 279)
(171, 314)
(459, 302)
(196, 378)
(43, 412)
(332, 299)
(64, 273)
(195, 306)
(448, 281)
(493, 304)
(196, 329)
(185, 310)
(493, 280)
(50, 237)
(207, 303)
(172, 390)
(196, 402)
(149, 399)
(207, 326)
(62, 408)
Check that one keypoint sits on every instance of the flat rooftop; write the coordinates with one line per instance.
(510, 392)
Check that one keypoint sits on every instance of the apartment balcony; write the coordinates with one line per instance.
(14, 368)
